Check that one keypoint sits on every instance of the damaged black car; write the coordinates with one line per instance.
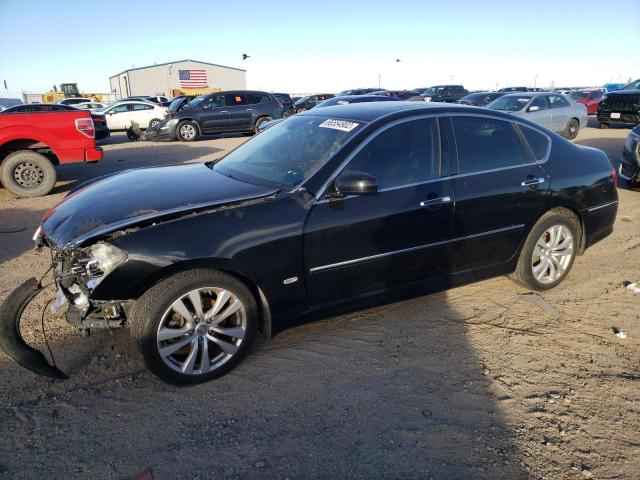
(334, 206)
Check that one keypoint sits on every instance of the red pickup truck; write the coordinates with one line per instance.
(31, 144)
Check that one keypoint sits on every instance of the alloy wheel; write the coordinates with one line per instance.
(201, 330)
(552, 254)
(187, 131)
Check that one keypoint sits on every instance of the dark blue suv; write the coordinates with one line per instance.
(233, 111)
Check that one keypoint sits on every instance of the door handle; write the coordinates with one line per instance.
(436, 201)
(224, 111)
(249, 109)
(532, 181)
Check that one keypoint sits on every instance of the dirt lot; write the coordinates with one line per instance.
(476, 382)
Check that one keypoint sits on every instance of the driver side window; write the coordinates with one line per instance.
(540, 102)
(215, 102)
(404, 154)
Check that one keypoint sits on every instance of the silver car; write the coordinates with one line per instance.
(549, 109)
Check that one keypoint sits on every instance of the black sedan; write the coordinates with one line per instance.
(346, 99)
(340, 205)
(480, 99)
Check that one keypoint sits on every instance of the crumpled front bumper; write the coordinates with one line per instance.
(11, 341)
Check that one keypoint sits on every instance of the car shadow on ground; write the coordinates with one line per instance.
(119, 159)
(395, 391)
(17, 226)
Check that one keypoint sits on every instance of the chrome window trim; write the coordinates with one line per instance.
(412, 249)
(515, 120)
(602, 206)
(368, 139)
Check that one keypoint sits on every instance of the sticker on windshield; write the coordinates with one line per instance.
(343, 125)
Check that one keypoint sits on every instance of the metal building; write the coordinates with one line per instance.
(175, 78)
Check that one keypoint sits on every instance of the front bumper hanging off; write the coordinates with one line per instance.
(12, 343)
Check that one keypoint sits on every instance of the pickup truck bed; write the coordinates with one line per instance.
(32, 144)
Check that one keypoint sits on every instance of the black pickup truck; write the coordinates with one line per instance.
(621, 106)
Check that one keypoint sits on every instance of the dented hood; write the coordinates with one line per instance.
(134, 196)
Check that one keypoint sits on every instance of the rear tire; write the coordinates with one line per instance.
(27, 174)
(157, 325)
(549, 251)
(572, 128)
(187, 131)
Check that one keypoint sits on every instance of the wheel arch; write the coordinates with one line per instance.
(222, 265)
(25, 143)
(570, 211)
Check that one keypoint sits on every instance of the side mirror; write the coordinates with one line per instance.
(356, 183)
(533, 108)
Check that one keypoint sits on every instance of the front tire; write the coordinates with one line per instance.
(549, 251)
(187, 131)
(27, 174)
(572, 129)
(154, 122)
(261, 121)
(194, 326)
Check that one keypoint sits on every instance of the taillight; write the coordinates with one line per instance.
(614, 176)
(85, 126)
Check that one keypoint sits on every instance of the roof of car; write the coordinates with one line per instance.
(371, 111)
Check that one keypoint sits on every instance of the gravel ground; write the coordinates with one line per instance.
(476, 382)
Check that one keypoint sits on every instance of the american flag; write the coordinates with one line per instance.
(193, 78)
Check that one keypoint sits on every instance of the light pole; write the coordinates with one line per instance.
(535, 81)
(379, 80)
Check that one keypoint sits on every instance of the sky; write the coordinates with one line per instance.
(328, 46)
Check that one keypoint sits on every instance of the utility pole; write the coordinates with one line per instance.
(379, 80)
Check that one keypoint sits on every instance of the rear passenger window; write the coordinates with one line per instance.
(401, 155)
(254, 98)
(557, 101)
(236, 99)
(538, 142)
(486, 144)
(142, 106)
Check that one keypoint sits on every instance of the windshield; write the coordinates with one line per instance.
(633, 86)
(509, 103)
(433, 91)
(302, 100)
(288, 153)
(177, 103)
(197, 101)
(578, 95)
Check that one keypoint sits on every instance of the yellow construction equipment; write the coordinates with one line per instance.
(68, 90)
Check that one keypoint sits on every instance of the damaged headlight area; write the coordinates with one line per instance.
(78, 273)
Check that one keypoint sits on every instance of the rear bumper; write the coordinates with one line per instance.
(598, 221)
(102, 134)
(93, 154)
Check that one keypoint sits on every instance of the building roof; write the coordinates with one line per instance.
(177, 61)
